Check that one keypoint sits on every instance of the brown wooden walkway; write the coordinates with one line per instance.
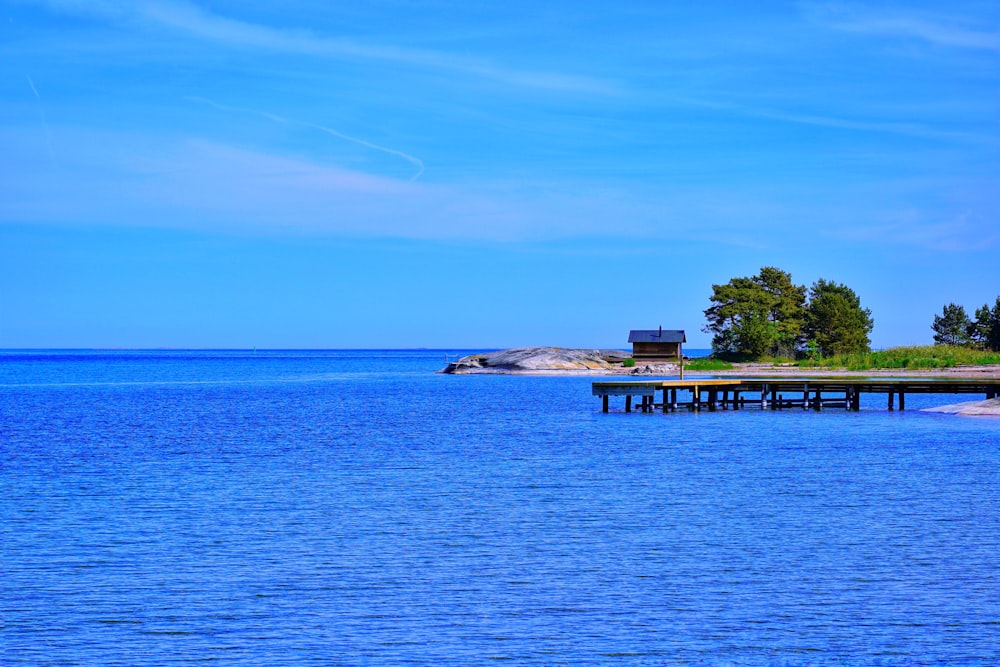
(780, 393)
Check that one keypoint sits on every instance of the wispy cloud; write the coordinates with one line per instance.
(958, 233)
(195, 21)
(130, 180)
(41, 112)
(165, 182)
(943, 31)
(416, 162)
(124, 179)
(909, 129)
(33, 89)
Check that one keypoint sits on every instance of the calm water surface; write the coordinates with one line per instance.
(354, 508)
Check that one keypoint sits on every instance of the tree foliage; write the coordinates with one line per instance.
(835, 320)
(984, 331)
(952, 326)
(757, 316)
(767, 316)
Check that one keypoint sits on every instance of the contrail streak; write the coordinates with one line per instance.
(41, 112)
(418, 163)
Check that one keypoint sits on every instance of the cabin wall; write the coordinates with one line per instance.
(655, 350)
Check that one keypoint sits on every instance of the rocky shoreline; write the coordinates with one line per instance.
(538, 360)
(987, 408)
(572, 361)
(566, 361)
(553, 361)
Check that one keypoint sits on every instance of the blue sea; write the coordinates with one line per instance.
(355, 508)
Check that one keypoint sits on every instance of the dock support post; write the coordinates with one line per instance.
(714, 395)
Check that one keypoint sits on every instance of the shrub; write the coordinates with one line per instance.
(915, 357)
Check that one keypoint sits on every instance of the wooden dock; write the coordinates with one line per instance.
(782, 393)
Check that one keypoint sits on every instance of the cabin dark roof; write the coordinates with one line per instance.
(657, 336)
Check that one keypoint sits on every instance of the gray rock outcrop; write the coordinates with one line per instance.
(989, 407)
(537, 360)
(654, 369)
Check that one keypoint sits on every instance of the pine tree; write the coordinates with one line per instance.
(984, 331)
(757, 316)
(952, 326)
(835, 319)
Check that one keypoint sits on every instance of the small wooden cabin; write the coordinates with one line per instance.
(657, 344)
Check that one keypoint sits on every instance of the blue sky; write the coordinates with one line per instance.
(455, 174)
